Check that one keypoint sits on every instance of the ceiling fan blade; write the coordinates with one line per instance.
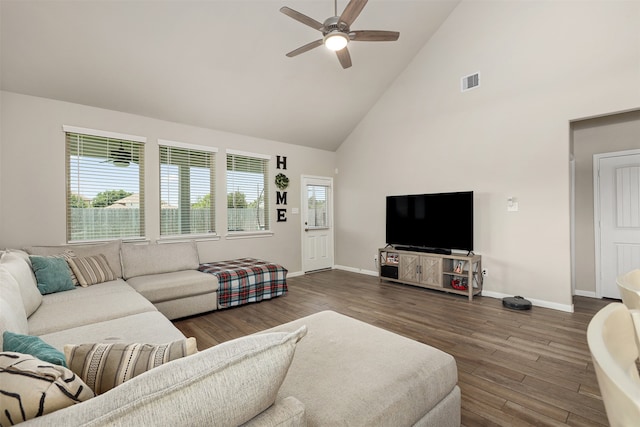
(344, 57)
(351, 12)
(374, 36)
(305, 48)
(301, 18)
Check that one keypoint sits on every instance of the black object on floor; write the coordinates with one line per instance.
(516, 303)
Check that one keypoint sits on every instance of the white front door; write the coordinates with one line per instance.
(317, 223)
(617, 218)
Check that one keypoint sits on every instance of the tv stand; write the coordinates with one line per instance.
(443, 272)
(423, 249)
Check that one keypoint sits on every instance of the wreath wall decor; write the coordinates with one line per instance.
(282, 182)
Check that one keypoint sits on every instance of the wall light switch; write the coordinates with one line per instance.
(512, 204)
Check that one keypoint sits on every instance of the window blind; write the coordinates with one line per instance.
(247, 192)
(187, 190)
(105, 187)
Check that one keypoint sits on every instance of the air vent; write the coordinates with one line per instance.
(470, 82)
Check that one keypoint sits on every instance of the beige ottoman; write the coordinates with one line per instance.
(347, 372)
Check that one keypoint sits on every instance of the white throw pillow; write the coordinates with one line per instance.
(19, 267)
(12, 315)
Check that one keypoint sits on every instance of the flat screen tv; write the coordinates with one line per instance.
(436, 222)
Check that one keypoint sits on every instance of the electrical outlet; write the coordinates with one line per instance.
(485, 272)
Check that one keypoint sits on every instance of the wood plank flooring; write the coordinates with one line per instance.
(515, 368)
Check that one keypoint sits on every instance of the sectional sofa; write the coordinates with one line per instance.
(165, 274)
(324, 369)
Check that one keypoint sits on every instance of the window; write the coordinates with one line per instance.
(105, 185)
(187, 183)
(247, 192)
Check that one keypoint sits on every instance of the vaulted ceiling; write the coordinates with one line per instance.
(209, 63)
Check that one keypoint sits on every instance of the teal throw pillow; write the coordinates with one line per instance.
(52, 274)
(34, 346)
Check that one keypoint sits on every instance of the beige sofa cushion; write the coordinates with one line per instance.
(17, 264)
(178, 284)
(12, 315)
(189, 306)
(150, 327)
(140, 260)
(225, 385)
(287, 412)
(82, 306)
(110, 250)
(341, 357)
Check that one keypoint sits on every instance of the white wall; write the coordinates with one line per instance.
(542, 64)
(32, 175)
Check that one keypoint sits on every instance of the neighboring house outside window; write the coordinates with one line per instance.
(187, 189)
(105, 185)
(247, 192)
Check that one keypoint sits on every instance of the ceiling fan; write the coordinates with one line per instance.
(337, 33)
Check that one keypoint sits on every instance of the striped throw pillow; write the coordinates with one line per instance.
(91, 269)
(104, 366)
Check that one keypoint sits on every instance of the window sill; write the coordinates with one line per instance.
(102, 241)
(232, 235)
(188, 238)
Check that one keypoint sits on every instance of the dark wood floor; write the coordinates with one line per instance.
(515, 368)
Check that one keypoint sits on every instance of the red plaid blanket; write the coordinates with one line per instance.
(246, 280)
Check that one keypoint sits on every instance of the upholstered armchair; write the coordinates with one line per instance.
(612, 340)
(629, 286)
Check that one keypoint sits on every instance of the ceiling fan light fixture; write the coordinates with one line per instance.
(121, 163)
(336, 40)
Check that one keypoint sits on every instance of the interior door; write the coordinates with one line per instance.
(617, 204)
(317, 223)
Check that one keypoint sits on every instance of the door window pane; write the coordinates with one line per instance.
(317, 206)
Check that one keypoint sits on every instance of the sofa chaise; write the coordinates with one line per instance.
(326, 369)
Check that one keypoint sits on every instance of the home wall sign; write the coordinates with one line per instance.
(282, 182)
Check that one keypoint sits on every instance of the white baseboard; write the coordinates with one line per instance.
(536, 302)
(589, 294)
(356, 270)
(338, 267)
(485, 293)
